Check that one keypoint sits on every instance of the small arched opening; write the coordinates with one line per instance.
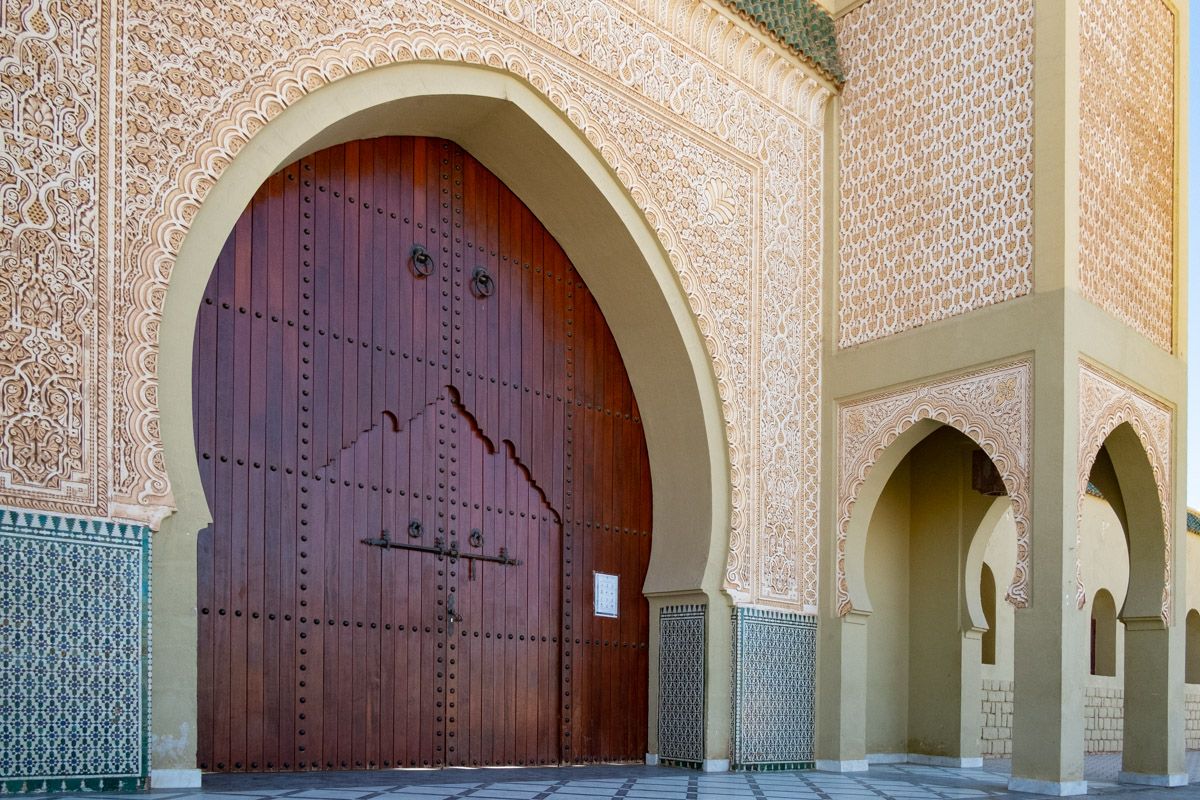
(1192, 669)
(1103, 658)
(987, 599)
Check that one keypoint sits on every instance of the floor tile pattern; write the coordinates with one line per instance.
(636, 782)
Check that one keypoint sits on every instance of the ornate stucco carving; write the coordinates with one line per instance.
(1104, 403)
(664, 90)
(993, 406)
(52, 341)
(1127, 162)
(937, 162)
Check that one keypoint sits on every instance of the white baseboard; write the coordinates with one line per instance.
(944, 761)
(174, 779)
(651, 759)
(1150, 779)
(850, 765)
(1053, 788)
(887, 758)
(715, 765)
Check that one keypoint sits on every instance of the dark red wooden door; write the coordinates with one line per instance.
(368, 416)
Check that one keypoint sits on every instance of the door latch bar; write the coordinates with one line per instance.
(439, 549)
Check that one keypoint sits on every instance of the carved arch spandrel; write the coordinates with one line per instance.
(1105, 402)
(619, 73)
(994, 407)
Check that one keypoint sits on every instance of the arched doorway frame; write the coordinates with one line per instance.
(552, 166)
(1125, 449)
(1111, 406)
(990, 405)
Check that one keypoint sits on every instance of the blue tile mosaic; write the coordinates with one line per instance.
(774, 689)
(681, 685)
(74, 612)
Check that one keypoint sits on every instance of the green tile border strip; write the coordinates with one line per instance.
(99, 533)
(804, 26)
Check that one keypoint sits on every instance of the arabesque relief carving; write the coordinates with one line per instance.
(993, 406)
(1104, 403)
(52, 341)
(937, 162)
(1127, 162)
(665, 91)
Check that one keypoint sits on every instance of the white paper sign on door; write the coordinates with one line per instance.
(605, 594)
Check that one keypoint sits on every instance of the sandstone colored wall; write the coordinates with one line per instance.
(1127, 162)
(1192, 717)
(1103, 717)
(996, 735)
(936, 162)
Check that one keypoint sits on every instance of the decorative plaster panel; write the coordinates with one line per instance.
(666, 91)
(52, 336)
(1127, 162)
(936, 162)
(1104, 403)
(993, 406)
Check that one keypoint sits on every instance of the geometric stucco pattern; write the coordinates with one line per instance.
(1127, 162)
(664, 91)
(992, 406)
(1104, 403)
(52, 342)
(936, 162)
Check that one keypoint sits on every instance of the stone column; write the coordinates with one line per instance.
(842, 701)
(1153, 749)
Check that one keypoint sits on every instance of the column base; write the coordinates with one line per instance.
(174, 779)
(944, 761)
(1151, 779)
(714, 765)
(1053, 788)
(831, 765)
(651, 759)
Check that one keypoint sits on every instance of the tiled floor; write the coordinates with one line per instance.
(634, 782)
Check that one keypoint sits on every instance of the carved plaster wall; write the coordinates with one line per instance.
(993, 406)
(1104, 403)
(937, 162)
(53, 227)
(1127, 162)
(715, 131)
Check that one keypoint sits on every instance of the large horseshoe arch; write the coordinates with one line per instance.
(423, 459)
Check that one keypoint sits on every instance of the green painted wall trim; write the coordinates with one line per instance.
(804, 26)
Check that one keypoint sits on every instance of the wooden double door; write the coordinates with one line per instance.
(422, 456)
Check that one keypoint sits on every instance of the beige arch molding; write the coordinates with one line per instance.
(973, 563)
(1106, 403)
(992, 406)
(514, 132)
(661, 92)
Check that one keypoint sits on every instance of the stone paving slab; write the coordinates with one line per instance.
(637, 782)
